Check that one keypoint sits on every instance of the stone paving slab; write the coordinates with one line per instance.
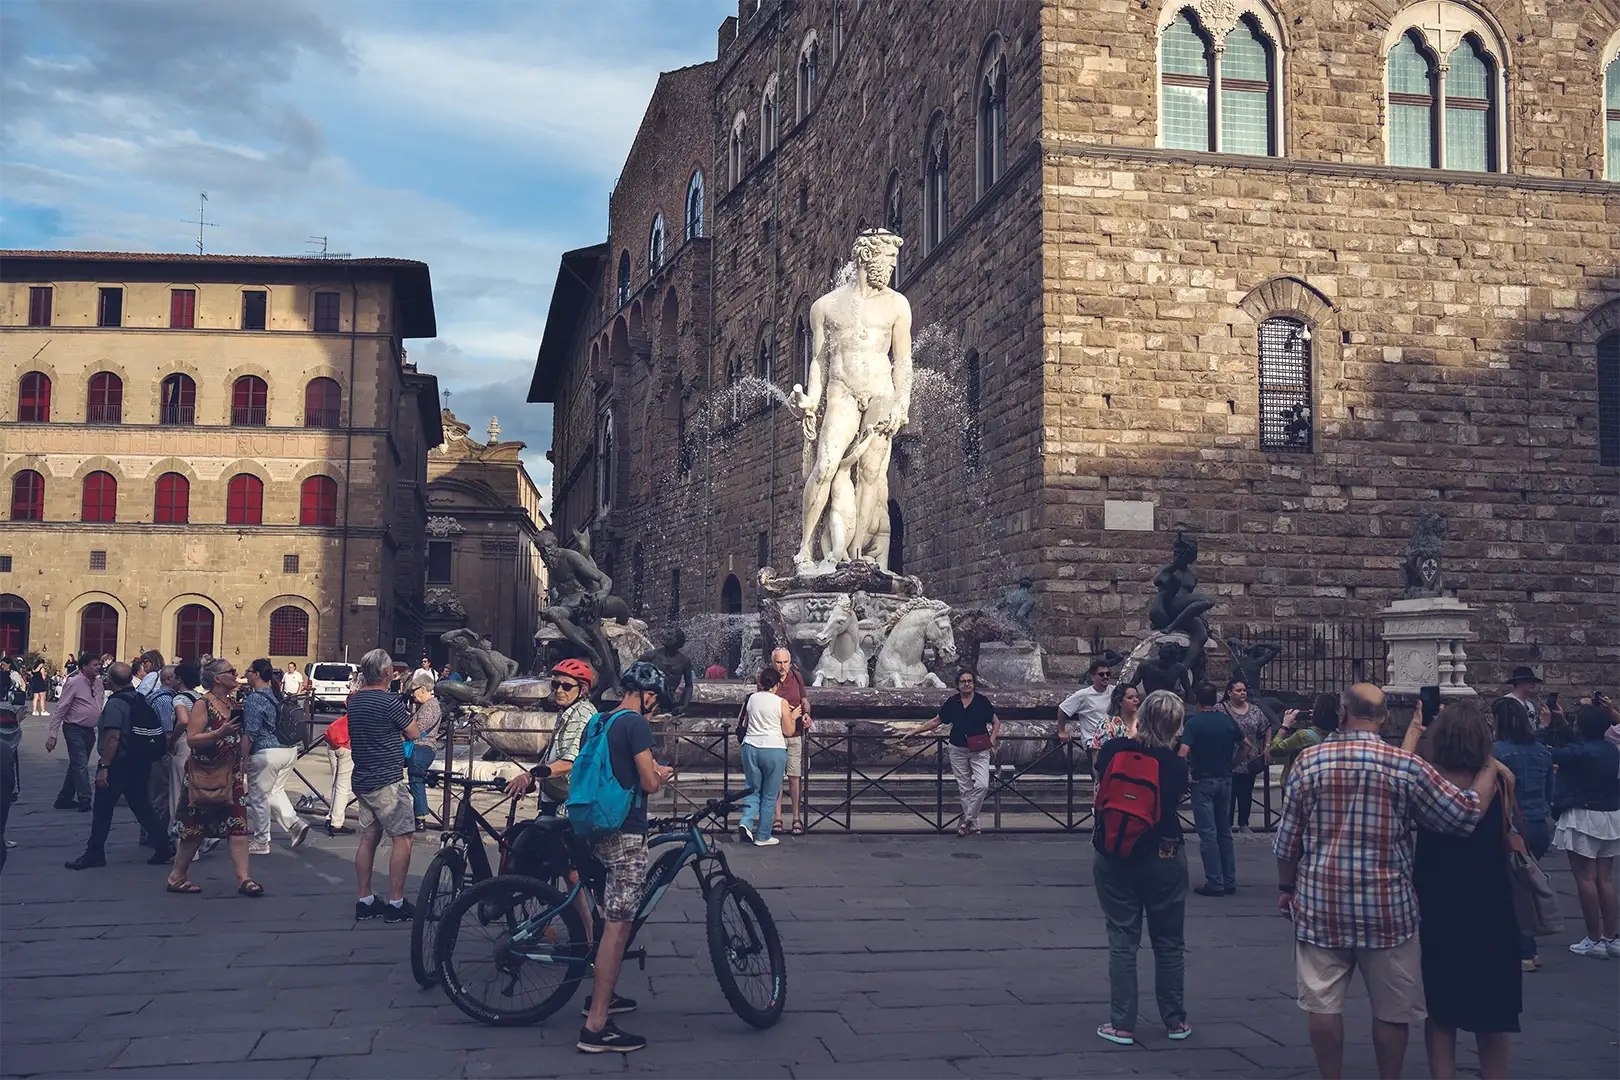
(908, 956)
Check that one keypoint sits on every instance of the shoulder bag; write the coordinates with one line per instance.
(210, 781)
(1535, 903)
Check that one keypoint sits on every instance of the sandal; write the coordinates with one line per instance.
(962, 829)
(187, 887)
(798, 828)
(249, 887)
(1116, 1036)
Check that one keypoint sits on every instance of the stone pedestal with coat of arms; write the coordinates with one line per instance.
(1424, 642)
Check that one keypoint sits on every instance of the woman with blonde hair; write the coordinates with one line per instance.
(1140, 868)
(211, 802)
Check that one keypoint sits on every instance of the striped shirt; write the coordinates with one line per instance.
(1347, 821)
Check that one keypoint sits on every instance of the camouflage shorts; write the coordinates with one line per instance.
(625, 857)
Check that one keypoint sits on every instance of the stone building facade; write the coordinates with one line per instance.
(483, 555)
(1281, 273)
(213, 454)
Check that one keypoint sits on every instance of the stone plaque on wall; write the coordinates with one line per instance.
(1121, 515)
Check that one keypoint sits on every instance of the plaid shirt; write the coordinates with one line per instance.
(1347, 822)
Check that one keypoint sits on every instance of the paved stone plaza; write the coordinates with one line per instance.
(907, 957)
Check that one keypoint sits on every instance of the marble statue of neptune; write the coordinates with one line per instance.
(860, 344)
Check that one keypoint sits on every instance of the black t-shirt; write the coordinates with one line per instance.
(1212, 737)
(970, 719)
(1173, 783)
(629, 736)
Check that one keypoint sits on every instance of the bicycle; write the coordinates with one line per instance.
(517, 928)
(460, 848)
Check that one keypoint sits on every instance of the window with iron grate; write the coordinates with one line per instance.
(5, 564)
(1285, 386)
(98, 560)
(289, 631)
(1608, 373)
(289, 564)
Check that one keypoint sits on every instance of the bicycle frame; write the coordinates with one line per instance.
(470, 827)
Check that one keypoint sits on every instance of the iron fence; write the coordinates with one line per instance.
(1311, 656)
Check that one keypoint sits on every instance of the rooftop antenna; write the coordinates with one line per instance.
(202, 203)
(324, 253)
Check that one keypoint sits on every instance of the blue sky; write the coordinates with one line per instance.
(482, 138)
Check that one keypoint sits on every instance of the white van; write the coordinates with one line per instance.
(329, 682)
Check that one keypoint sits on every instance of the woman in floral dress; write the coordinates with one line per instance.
(1121, 722)
(214, 734)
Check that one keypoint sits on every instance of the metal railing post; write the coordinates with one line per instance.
(449, 763)
(939, 785)
(849, 775)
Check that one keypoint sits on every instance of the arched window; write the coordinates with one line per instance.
(1608, 381)
(894, 220)
(13, 625)
(802, 341)
(98, 629)
(173, 502)
(289, 631)
(34, 398)
(177, 401)
(762, 355)
(1611, 116)
(972, 439)
(739, 147)
(1444, 80)
(106, 402)
(768, 118)
(694, 205)
(837, 31)
(1248, 80)
(249, 400)
(622, 290)
(1185, 70)
(992, 117)
(604, 461)
(193, 632)
(731, 630)
(655, 244)
(28, 496)
(936, 185)
(809, 62)
(244, 500)
(1285, 385)
(323, 404)
(100, 498)
(317, 501)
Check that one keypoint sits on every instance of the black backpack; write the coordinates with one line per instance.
(289, 719)
(143, 737)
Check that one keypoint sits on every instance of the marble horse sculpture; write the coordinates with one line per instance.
(843, 661)
(916, 626)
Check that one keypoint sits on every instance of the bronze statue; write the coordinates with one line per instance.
(1016, 604)
(1421, 566)
(676, 666)
(580, 597)
(484, 669)
(1247, 661)
(1179, 607)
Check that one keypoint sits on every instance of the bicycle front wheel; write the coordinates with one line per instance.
(512, 951)
(440, 885)
(747, 953)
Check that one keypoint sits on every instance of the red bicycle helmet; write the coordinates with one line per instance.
(576, 669)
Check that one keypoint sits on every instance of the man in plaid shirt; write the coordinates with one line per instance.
(1344, 866)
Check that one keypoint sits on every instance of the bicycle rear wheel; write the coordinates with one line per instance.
(511, 951)
(747, 953)
(440, 885)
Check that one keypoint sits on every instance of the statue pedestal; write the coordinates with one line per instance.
(1423, 642)
(1017, 663)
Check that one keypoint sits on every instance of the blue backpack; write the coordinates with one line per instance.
(597, 802)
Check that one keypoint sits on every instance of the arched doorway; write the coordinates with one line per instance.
(897, 539)
(732, 634)
(194, 632)
(13, 625)
(98, 629)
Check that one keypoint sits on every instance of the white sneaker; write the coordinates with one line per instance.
(1612, 945)
(208, 845)
(1587, 947)
(772, 842)
(300, 834)
(258, 849)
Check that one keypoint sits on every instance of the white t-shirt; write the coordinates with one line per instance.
(764, 711)
(292, 683)
(1090, 708)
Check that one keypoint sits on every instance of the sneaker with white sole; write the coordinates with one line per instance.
(609, 1040)
(300, 833)
(771, 842)
(1587, 947)
(1613, 947)
(258, 849)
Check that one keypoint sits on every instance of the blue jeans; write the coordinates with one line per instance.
(1212, 815)
(1127, 889)
(416, 771)
(764, 768)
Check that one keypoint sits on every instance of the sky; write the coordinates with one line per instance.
(480, 138)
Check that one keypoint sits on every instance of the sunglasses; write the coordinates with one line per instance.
(1101, 674)
(561, 684)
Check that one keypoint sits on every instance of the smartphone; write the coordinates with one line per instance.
(1552, 701)
(1429, 697)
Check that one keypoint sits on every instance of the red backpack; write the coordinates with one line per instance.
(1127, 803)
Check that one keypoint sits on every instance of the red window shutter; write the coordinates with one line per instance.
(34, 398)
(245, 500)
(182, 308)
(173, 500)
(100, 498)
(318, 501)
(28, 496)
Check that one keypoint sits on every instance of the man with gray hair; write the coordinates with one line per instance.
(378, 728)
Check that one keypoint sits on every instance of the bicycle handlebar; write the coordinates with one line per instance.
(714, 808)
(435, 777)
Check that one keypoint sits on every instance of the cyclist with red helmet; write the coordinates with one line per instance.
(571, 682)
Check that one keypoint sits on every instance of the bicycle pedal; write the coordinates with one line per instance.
(639, 955)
